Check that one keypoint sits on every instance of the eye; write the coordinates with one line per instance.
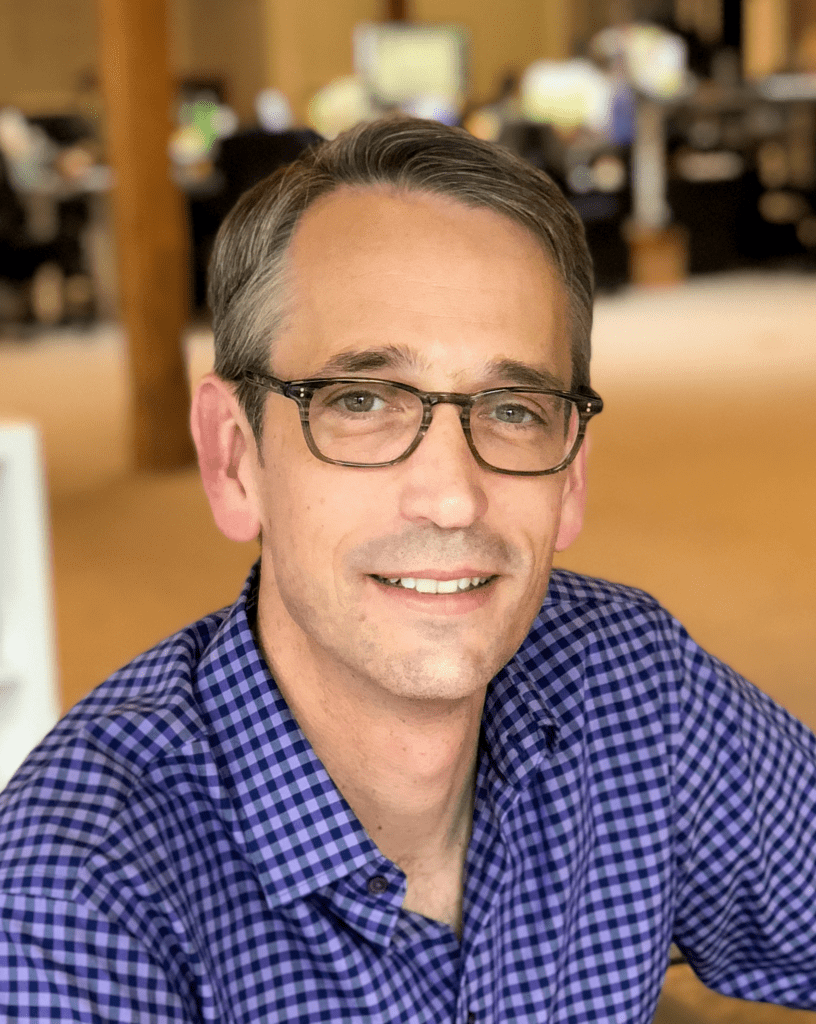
(513, 412)
(358, 401)
(520, 411)
(355, 401)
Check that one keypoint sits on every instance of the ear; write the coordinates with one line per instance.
(226, 453)
(573, 500)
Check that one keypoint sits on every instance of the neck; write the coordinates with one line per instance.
(405, 767)
(405, 764)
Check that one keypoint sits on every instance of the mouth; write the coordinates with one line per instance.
(429, 586)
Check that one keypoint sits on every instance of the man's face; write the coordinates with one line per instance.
(428, 292)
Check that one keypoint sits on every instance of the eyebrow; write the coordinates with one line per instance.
(525, 375)
(361, 361)
(394, 357)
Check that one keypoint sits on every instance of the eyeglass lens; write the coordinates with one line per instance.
(375, 423)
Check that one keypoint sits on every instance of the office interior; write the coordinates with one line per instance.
(683, 131)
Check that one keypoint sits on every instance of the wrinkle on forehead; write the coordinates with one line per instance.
(499, 371)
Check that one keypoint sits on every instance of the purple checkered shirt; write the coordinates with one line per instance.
(175, 851)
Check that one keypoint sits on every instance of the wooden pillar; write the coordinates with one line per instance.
(803, 34)
(151, 231)
(766, 41)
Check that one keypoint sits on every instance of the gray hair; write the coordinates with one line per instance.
(247, 284)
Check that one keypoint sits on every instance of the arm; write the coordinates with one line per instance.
(746, 802)
(61, 961)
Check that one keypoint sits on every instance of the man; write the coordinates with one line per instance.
(401, 779)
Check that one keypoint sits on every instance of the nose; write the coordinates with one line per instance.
(443, 483)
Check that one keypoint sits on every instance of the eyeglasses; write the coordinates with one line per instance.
(364, 422)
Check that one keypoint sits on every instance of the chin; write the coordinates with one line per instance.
(437, 677)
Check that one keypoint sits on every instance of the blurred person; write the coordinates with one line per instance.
(30, 268)
(413, 774)
(52, 158)
(240, 161)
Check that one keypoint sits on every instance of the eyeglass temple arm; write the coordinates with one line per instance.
(265, 380)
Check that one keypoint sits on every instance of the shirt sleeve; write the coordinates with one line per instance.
(60, 961)
(746, 841)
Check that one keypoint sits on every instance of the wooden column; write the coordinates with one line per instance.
(151, 231)
(765, 37)
(803, 34)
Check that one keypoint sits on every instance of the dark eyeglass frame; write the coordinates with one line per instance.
(588, 402)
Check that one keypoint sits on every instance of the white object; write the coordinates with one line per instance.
(654, 61)
(399, 61)
(568, 94)
(433, 108)
(657, 62)
(338, 106)
(28, 692)
(273, 111)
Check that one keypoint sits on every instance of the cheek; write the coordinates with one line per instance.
(288, 491)
(536, 513)
(310, 515)
(295, 517)
(537, 522)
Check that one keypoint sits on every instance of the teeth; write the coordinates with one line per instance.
(427, 586)
(446, 586)
(437, 586)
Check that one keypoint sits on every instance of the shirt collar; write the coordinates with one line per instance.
(535, 705)
(296, 826)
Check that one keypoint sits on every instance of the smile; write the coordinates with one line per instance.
(426, 586)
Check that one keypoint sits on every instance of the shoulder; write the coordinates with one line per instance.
(573, 589)
(629, 650)
(158, 684)
(592, 612)
(83, 779)
(617, 647)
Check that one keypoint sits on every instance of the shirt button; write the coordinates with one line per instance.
(377, 885)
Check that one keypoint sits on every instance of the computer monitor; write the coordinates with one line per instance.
(399, 62)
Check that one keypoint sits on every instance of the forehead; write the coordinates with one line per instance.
(456, 286)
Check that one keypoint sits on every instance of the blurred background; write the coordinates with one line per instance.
(684, 133)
